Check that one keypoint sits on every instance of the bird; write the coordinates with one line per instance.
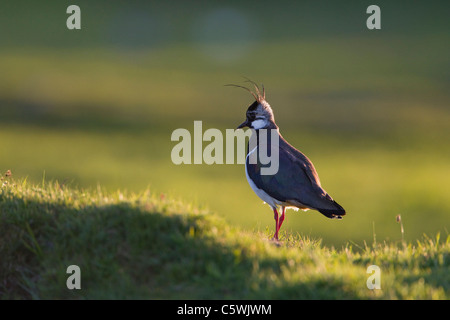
(296, 184)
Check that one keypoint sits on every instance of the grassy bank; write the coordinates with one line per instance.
(146, 245)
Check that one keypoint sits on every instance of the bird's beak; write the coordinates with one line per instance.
(243, 124)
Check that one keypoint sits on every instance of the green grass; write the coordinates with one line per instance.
(97, 107)
(369, 108)
(150, 246)
(373, 121)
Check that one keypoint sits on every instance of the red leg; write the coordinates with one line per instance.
(275, 216)
(281, 219)
(282, 216)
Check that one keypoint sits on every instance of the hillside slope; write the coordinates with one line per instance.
(149, 246)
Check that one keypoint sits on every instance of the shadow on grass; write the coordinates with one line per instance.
(133, 252)
(92, 118)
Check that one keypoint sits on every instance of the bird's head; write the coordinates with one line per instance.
(259, 114)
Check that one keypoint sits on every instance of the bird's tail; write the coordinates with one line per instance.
(335, 213)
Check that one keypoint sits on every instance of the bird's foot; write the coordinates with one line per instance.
(275, 238)
(275, 241)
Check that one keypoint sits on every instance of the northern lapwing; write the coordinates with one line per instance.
(296, 184)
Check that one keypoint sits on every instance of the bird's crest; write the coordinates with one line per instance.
(259, 97)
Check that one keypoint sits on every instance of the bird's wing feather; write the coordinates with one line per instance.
(296, 179)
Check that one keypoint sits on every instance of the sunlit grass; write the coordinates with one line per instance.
(146, 245)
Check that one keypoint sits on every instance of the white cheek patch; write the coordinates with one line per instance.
(259, 124)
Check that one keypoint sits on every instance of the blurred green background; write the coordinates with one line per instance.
(97, 106)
